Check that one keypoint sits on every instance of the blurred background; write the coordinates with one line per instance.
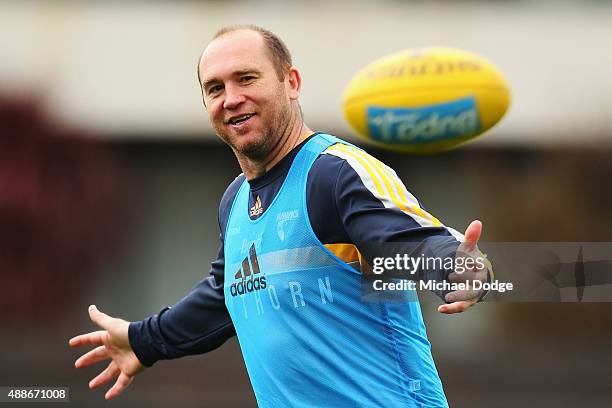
(110, 179)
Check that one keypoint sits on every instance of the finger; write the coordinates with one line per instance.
(92, 357)
(90, 339)
(468, 276)
(460, 295)
(456, 307)
(456, 277)
(101, 319)
(110, 373)
(121, 384)
(471, 236)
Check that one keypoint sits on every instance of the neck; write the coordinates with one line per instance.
(293, 135)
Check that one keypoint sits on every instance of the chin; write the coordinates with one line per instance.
(254, 146)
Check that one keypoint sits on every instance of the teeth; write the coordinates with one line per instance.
(240, 118)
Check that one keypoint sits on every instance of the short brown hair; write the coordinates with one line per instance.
(277, 50)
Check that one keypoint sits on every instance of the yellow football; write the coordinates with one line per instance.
(426, 100)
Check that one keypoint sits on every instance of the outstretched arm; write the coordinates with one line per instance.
(379, 215)
(196, 324)
(112, 343)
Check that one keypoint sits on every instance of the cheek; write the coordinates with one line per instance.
(215, 112)
(276, 103)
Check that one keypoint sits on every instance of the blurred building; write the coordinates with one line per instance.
(123, 73)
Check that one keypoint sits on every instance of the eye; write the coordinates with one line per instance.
(246, 78)
(214, 89)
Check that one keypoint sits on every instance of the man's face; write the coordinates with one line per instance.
(248, 106)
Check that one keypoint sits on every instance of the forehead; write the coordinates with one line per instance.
(234, 51)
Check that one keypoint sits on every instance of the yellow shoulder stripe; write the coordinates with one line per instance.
(378, 172)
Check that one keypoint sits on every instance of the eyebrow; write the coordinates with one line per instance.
(211, 81)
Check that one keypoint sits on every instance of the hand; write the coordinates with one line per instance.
(464, 299)
(113, 343)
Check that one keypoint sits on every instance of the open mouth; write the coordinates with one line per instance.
(240, 119)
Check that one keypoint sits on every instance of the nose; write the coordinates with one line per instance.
(233, 97)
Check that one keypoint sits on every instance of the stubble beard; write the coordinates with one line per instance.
(272, 134)
(271, 137)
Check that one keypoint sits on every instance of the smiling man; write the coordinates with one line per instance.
(251, 92)
(295, 227)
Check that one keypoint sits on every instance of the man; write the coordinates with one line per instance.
(287, 278)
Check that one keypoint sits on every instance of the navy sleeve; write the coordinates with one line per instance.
(356, 215)
(369, 223)
(196, 324)
(367, 220)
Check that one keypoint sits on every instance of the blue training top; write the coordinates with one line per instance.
(352, 200)
(307, 338)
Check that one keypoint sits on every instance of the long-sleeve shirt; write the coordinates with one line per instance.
(349, 202)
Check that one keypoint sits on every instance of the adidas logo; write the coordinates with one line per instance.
(249, 281)
(256, 209)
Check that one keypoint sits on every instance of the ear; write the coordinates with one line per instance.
(294, 81)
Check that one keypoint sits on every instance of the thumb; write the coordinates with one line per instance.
(472, 235)
(101, 319)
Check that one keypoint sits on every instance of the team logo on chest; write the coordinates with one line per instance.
(282, 221)
(249, 276)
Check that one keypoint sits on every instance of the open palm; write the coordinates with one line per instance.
(112, 343)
